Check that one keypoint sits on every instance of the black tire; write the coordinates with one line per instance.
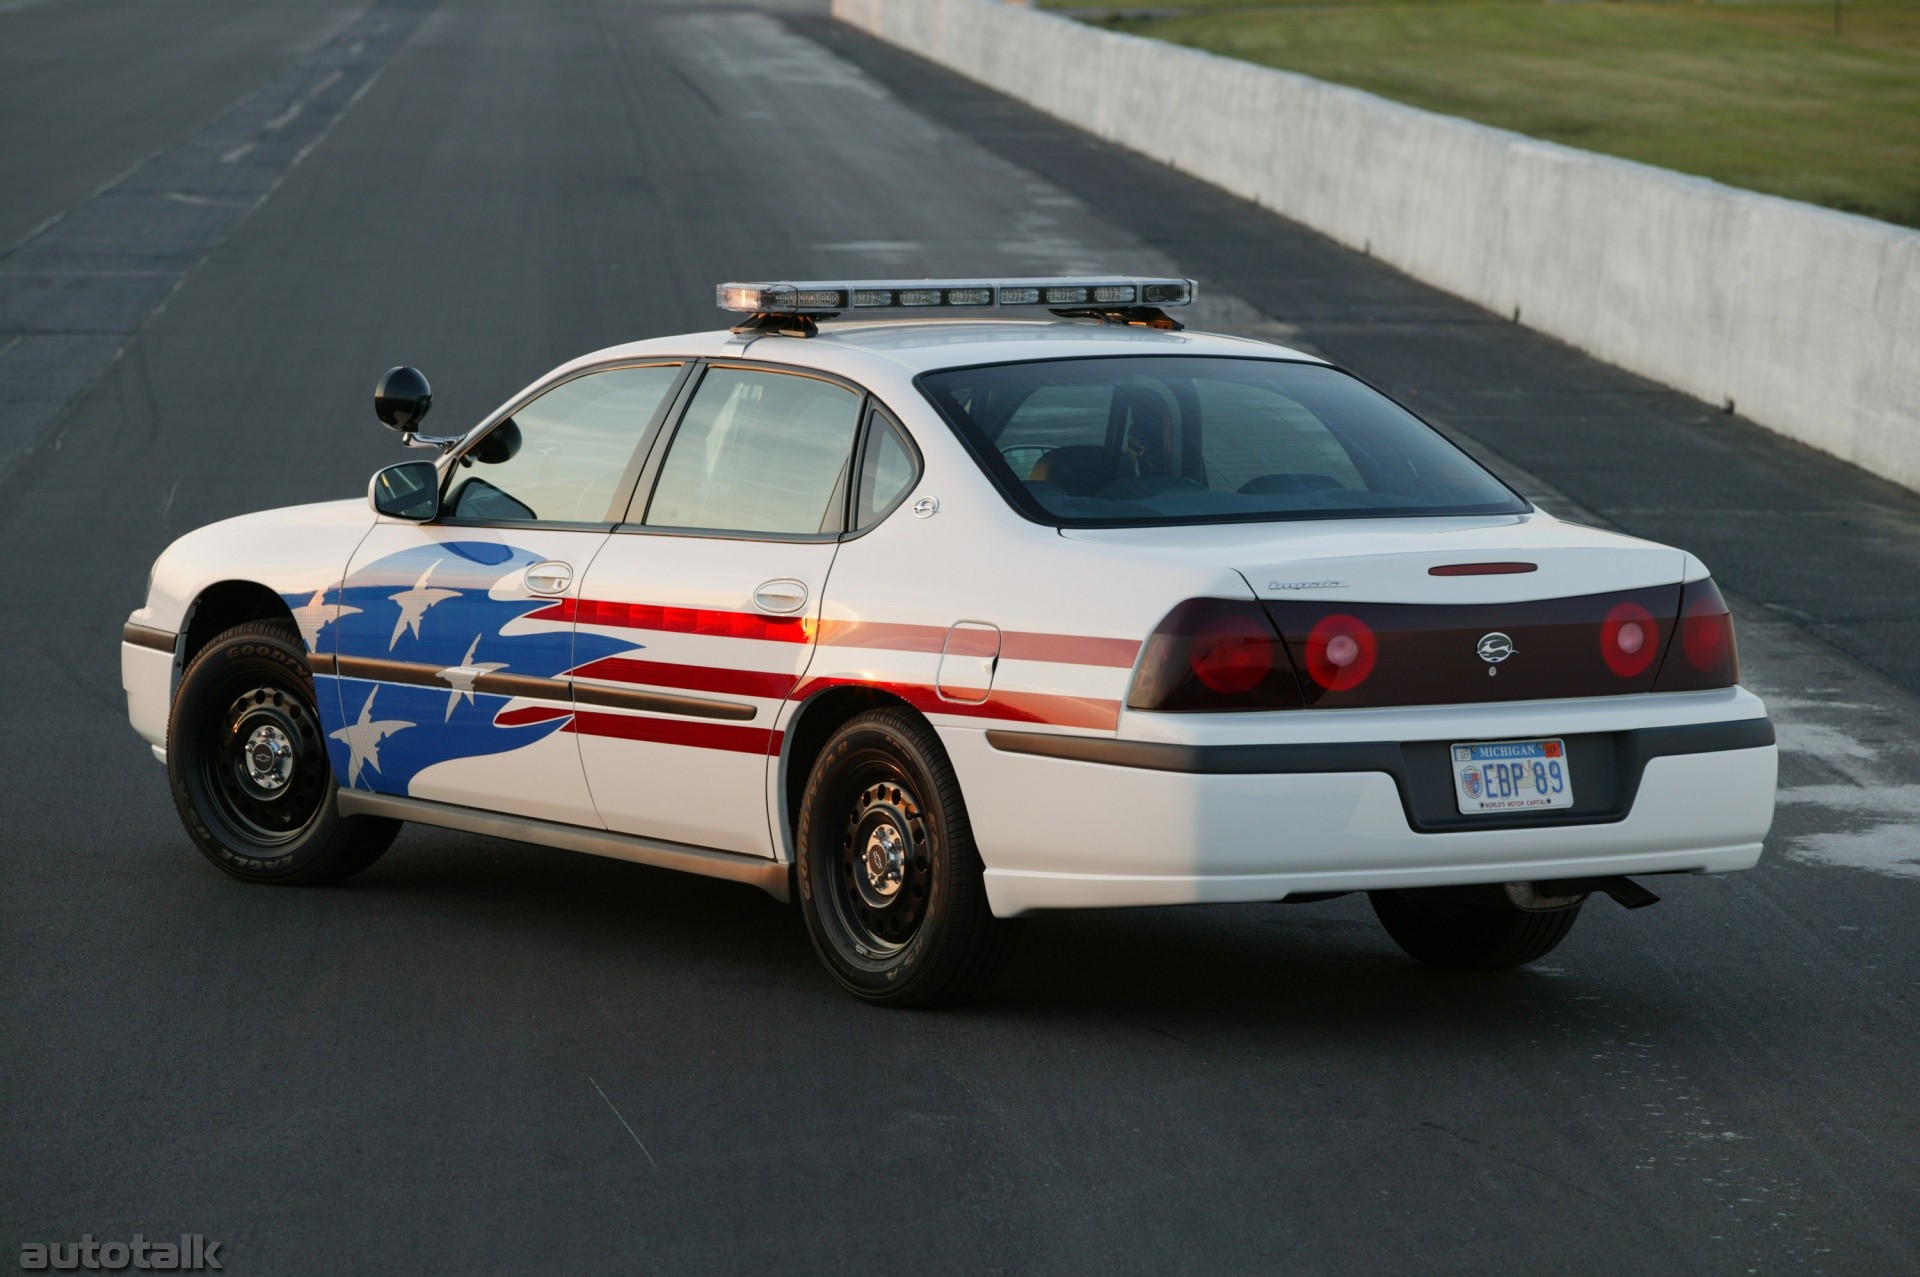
(890, 882)
(247, 760)
(1444, 931)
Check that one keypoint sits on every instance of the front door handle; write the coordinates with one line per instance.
(549, 577)
(781, 596)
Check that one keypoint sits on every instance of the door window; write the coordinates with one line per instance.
(759, 452)
(560, 459)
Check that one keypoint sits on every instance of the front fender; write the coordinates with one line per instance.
(294, 552)
(299, 554)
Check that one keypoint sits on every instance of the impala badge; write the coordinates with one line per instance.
(1494, 648)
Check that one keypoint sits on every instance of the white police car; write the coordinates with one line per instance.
(940, 622)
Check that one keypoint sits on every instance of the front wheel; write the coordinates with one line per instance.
(890, 882)
(248, 766)
(1441, 929)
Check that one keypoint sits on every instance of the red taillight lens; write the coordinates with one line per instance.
(1340, 651)
(1705, 655)
(1214, 654)
(1231, 653)
(1629, 640)
(1705, 637)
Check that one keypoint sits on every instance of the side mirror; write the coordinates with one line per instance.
(402, 398)
(410, 491)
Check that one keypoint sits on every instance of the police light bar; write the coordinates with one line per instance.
(824, 297)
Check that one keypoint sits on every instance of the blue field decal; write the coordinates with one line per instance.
(434, 606)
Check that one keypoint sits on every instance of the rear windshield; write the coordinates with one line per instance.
(1194, 439)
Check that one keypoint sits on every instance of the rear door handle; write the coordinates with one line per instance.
(781, 595)
(549, 577)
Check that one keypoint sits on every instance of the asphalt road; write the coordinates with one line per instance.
(493, 1057)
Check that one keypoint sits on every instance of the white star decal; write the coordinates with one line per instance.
(461, 677)
(414, 604)
(363, 739)
(314, 615)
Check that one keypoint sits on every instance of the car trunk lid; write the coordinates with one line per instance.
(1445, 611)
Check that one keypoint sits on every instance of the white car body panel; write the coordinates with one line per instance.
(1050, 626)
(647, 775)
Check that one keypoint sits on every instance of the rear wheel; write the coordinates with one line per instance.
(1443, 930)
(890, 882)
(247, 761)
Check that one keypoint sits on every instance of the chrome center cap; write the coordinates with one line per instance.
(269, 756)
(885, 861)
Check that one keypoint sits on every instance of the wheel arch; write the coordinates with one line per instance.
(813, 724)
(219, 607)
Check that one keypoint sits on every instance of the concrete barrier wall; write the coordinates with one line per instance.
(1806, 320)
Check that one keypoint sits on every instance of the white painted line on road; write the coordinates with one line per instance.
(78, 319)
(206, 201)
(629, 1128)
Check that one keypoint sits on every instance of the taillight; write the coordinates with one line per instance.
(1340, 652)
(1214, 654)
(1703, 653)
(1629, 639)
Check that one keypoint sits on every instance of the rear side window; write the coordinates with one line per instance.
(759, 452)
(887, 470)
(1197, 439)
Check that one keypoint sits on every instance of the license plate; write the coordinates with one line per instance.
(1512, 775)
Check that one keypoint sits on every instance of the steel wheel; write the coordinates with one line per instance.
(247, 759)
(266, 763)
(882, 863)
(890, 882)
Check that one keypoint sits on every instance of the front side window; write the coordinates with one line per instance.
(560, 458)
(1197, 439)
(759, 452)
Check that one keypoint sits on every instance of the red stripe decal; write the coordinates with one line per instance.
(1015, 645)
(1043, 708)
(667, 731)
(886, 637)
(697, 733)
(694, 678)
(678, 620)
(1068, 649)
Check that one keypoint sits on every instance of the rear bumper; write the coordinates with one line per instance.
(1083, 822)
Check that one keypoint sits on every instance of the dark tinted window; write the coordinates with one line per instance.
(1199, 439)
(758, 452)
(560, 458)
(887, 470)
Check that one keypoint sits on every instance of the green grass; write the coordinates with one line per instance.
(1761, 95)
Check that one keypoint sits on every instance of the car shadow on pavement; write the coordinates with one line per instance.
(1286, 970)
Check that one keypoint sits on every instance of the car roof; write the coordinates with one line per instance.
(917, 346)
